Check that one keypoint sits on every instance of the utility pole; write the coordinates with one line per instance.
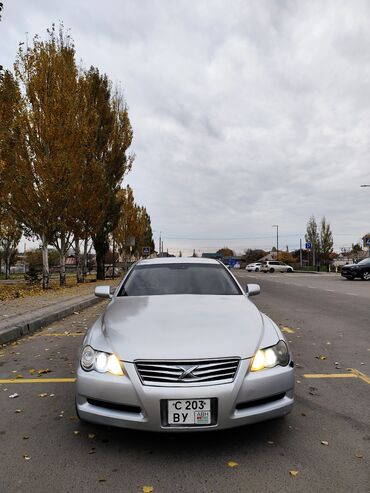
(277, 240)
(159, 242)
(300, 253)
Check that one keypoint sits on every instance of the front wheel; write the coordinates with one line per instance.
(271, 270)
(256, 269)
(289, 270)
(366, 275)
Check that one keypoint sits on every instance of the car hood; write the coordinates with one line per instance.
(182, 327)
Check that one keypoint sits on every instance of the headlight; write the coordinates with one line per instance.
(100, 361)
(271, 356)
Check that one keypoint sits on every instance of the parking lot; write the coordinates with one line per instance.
(322, 446)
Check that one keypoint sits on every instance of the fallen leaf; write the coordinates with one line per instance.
(19, 376)
(321, 357)
(46, 370)
(324, 442)
(313, 391)
(17, 411)
(101, 480)
(359, 455)
(270, 442)
(148, 489)
(232, 463)
(92, 450)
(44, 394)
(293, 473)
(303, 414)
(26, 457)
(13, 396)
(32, 371)
(91, 435)
(76, 432)
(73, 418)
(25, 438)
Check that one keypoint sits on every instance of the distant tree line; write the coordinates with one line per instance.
(64, 140)
(321, 239)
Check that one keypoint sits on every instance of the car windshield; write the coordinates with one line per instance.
(365, 261)
(177, 278)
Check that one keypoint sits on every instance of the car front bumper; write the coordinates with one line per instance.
(125, 402)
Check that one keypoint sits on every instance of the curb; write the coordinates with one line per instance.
(10, 334)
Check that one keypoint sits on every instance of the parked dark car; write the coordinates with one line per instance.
(361, 270)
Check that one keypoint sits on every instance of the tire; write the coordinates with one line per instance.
(256, 269)
(289, 271)
(271, 270)
(349, 278)
(365, 276)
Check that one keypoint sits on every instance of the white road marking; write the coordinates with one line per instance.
(330, 290)
(352, 294)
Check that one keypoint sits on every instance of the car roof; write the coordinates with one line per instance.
(178, 260)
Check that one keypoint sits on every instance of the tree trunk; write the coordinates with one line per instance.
(100, 269)
(7, 265)
(62, 256)
(84, 267)
(45, 263)
(101, 248)
(78, 261)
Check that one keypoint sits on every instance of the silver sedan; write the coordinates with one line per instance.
(181, 347)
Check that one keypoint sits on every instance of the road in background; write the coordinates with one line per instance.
(323, 446)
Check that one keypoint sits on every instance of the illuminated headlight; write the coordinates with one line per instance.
(271, 356)
(100, 361)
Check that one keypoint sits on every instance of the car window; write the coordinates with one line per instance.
(147, 280)
(365, 261)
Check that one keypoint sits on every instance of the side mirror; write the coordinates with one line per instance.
(253, 289)
(103, 292)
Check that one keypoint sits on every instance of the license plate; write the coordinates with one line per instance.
(189, 412)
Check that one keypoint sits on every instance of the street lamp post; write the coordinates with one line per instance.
(277, 240)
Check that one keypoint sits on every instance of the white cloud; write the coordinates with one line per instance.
(245, 114)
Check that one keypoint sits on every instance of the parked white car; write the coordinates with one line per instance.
(254, 267)
(275, 266)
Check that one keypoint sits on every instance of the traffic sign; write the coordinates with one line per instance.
(308, 245)
(368, 241)
(146, 251)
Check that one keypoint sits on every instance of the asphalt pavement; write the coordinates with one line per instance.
(323, 446)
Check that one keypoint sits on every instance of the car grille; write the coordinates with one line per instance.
(187, 372)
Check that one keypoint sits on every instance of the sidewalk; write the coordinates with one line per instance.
(26, 315)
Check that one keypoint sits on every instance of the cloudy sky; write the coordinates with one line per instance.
(245, 114)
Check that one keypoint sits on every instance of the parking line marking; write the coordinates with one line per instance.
(330, 375)
(288, 330)
(360, 375)
(353, 373)
(330, 290)
(38, 380)
(352, 294)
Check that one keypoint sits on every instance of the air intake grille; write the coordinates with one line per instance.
(177, 373)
